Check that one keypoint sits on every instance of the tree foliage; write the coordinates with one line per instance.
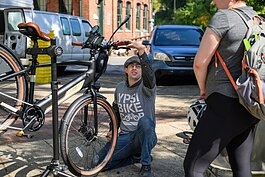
(196, 12)
(258, 5)
(192, 12)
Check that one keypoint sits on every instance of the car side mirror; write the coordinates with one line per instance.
(146, 42)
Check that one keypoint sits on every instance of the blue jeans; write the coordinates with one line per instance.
(141, 141)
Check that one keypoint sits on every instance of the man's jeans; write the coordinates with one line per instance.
(141, 141)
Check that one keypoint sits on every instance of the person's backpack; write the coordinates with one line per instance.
(250, 86)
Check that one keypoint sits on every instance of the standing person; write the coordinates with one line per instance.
(134, 105)
(225, 123)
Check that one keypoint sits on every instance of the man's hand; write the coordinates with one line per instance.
(109, 135)
(137, 45)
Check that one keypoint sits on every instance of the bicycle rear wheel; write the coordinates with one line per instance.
(14, 87)
(80, 143)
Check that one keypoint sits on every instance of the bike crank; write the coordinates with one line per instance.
(33, 118)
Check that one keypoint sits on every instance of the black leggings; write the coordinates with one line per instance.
(225, 124)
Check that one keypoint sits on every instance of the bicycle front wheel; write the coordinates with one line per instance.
(12, 89)
(83, 135)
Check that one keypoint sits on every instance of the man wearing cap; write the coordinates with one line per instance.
(134, 105)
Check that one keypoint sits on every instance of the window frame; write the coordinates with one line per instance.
(138, 17)
(65, 6)
(119, 12)
(145, 18)
(128, 12)
(40, 5)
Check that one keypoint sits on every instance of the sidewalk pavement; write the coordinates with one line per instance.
(31, 158)
(21, 157)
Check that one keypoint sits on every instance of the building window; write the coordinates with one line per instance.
(65, 6)
(119, 12)
(40, 5)
(138, 15)
(145, 18)
(128, 12)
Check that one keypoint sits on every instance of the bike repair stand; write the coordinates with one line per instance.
(55, 167)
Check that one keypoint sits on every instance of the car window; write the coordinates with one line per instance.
(14, 18)
(75, 27)
(65, 26)
(87, 27)
(177, 37)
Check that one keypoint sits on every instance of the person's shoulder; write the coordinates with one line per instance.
(224, 12)
(219, 19)
(229, 12)
(121, 84)
(248, 10)
(220, 14)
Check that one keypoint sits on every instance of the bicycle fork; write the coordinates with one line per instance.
(95, 108)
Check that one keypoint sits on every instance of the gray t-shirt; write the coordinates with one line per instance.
(134, 103)
(229, 26)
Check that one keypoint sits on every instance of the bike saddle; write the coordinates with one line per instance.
(32, 30)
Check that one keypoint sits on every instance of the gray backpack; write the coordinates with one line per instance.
(250, 86)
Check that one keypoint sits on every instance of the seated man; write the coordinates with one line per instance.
(134, 105)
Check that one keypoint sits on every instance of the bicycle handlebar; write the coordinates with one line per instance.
(120, 43)
(106, 46)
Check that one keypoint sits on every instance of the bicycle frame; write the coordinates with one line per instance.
(83, 112)
(84, 81)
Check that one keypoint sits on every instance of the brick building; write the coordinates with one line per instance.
(107, 14)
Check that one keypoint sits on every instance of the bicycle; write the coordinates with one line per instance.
(86, 121)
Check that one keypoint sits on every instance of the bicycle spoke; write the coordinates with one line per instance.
(12, 89)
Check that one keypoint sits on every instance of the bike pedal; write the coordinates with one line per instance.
(186, 140)
(22, 134)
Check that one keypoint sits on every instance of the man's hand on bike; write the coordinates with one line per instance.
(137, 45)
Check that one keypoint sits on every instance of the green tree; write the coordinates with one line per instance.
(164, 10)
(192, 12)
(196, 12)
(156, 5)
(258, 5)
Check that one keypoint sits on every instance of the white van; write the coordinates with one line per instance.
(67, 29)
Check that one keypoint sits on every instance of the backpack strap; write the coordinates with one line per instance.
(248, 20)
(239, 12)
(217, 54)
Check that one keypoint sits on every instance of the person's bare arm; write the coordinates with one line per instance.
(208, 46)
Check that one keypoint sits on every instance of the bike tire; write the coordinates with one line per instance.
(79, 147)
(15, 87)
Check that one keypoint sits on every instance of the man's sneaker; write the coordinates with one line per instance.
(146, 171)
